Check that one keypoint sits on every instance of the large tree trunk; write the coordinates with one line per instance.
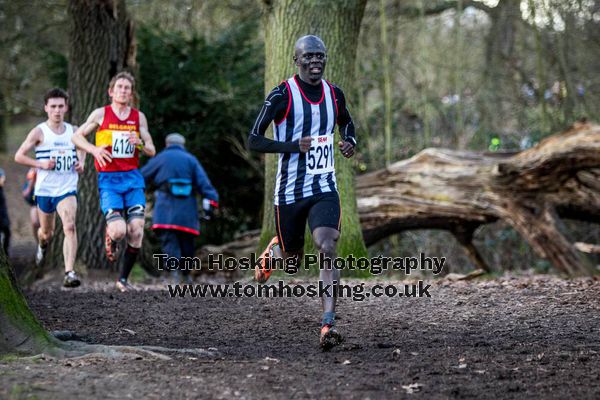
(500, 62)
(101, 44)
(458, 191)
(337, 23)
(20, 332)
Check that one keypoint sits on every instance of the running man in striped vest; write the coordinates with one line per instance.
(58, 166)
(122, 134)
(305, 109)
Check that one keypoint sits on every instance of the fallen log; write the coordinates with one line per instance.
(459, 191)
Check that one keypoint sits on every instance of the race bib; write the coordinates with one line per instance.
(121, 148)
(65, 159)
(319, 159)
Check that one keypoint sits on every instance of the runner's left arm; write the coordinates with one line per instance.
(145, 140)
(344, 121)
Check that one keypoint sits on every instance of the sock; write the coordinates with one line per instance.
(328, 318)
(128, 261)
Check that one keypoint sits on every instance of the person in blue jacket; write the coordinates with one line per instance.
(178, 176)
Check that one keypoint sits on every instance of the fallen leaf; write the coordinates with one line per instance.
(412, 388)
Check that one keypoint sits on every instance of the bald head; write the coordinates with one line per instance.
(310, 56)
(308, 42)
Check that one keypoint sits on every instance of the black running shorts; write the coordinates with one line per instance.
(320, 210)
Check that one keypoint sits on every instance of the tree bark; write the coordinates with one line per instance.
(458, 191)
(386, 84)
(337, 23)
(101, 44)
(20, 331)
(3, 121)
(500, 61)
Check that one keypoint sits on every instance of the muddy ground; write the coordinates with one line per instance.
(532, 337)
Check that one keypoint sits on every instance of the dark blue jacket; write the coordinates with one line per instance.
(172, 212)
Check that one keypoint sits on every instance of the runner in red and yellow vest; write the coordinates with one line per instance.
(115, 133)
(121, 136)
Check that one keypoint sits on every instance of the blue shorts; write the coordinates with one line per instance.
(121, 190)
(48, 204)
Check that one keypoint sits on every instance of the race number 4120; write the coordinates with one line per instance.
(121, 147)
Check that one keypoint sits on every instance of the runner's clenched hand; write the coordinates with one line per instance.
(304, 144)
(346, 148)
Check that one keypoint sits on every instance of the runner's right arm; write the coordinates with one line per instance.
(79, 138)
(33, 139)
(274, 108)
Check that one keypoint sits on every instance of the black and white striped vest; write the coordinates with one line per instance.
(301, 175)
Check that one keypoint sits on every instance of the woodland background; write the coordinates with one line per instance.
(493, 76)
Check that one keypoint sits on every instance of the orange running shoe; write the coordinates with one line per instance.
(330, 337)
(261, 272)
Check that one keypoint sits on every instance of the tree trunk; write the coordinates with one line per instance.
(546, 117)
(20, 331)
(500, 59)
(101, 44)
(386, 84)
(337, 23)
(3, 122)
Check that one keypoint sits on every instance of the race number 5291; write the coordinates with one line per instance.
(121, 147)
(320, 157)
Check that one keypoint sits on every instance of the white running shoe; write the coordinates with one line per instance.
(71, 279)
(39, 254)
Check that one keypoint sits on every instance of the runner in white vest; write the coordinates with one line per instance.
(58, 167)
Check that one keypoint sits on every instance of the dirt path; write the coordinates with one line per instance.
(508, 338)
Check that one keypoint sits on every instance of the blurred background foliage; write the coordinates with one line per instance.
(208, 91)
(476, 75)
